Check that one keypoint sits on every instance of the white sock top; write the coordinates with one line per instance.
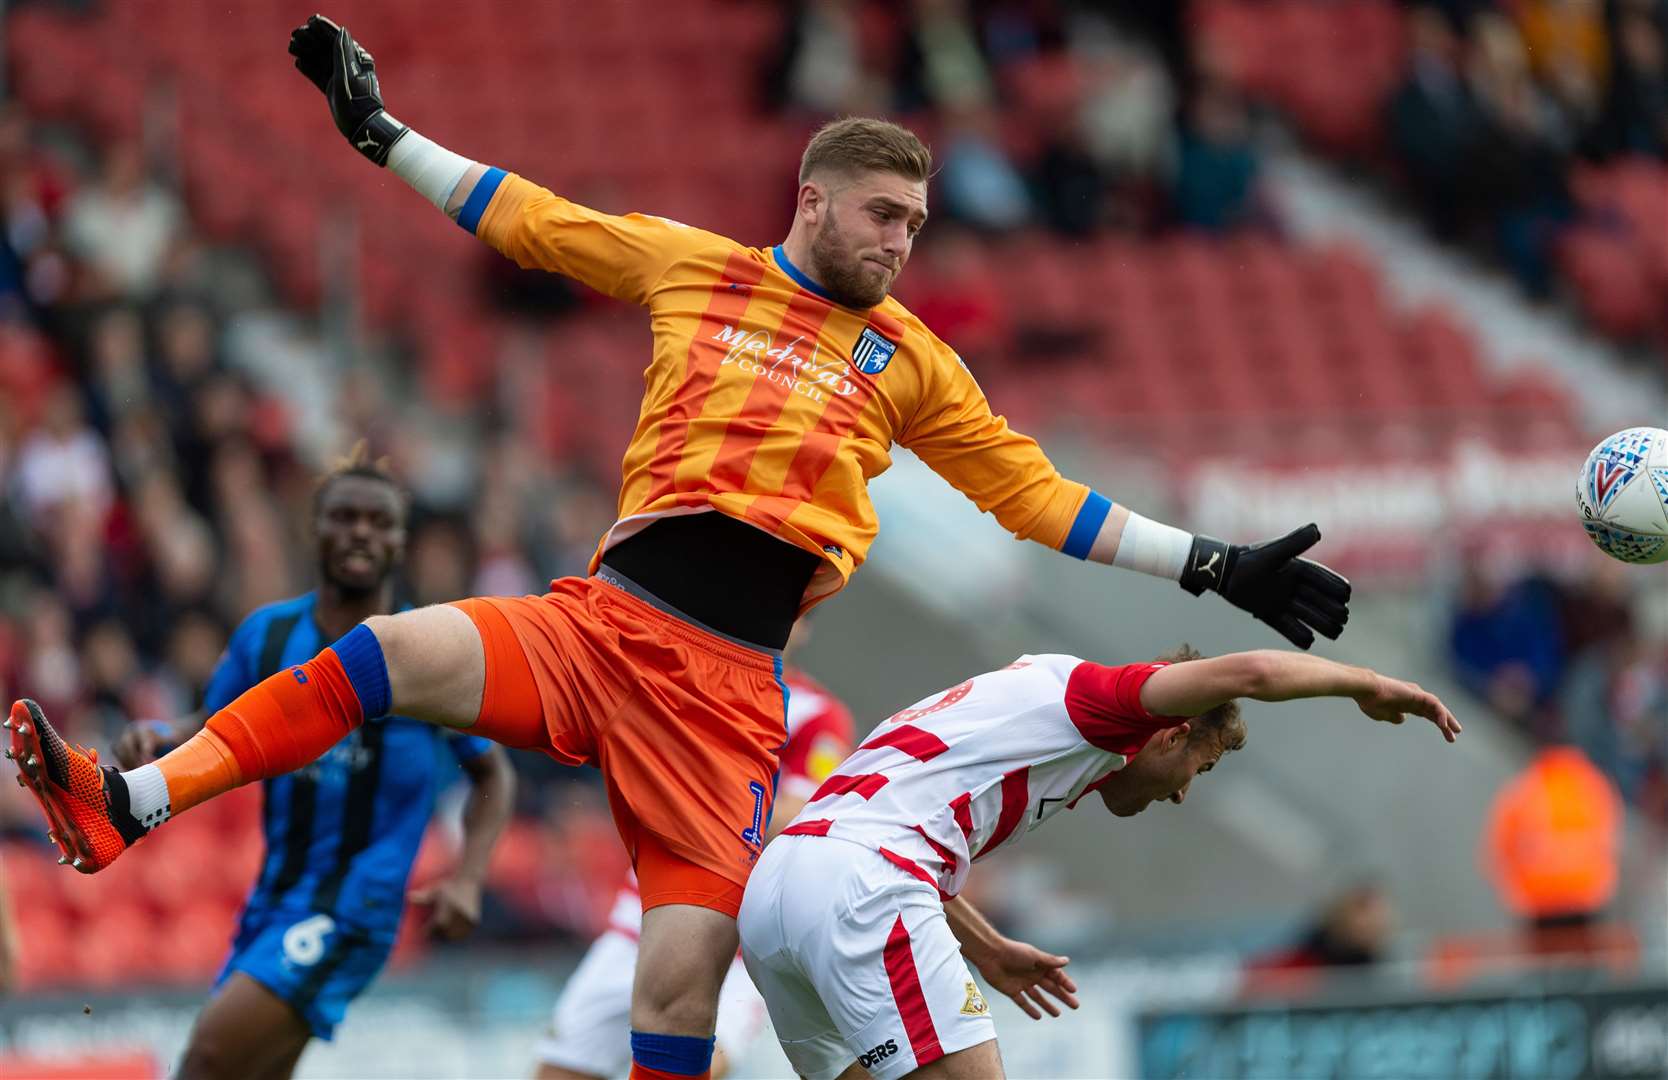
(147, 795)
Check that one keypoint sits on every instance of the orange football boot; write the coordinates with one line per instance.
(73, 792)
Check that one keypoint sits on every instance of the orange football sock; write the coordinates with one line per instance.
(276, 726)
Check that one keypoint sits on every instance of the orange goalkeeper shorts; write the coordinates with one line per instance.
(685, 725)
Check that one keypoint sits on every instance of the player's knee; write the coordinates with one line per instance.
(435, 663)
(396, 641)
(676, 1010)
(680, 1002)
(684, 955)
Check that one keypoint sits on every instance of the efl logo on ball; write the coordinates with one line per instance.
(1623, 495)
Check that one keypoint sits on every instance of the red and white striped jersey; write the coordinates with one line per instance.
(957, 775)
(819, 738)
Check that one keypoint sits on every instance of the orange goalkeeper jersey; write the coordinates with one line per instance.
(767, 401)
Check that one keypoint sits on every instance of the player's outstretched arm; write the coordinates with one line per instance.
(1197, 686)
(1007, 475)
(621, 256)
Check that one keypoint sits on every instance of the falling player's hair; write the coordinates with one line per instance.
(358, 462)
(1221, 724)
(862, 144)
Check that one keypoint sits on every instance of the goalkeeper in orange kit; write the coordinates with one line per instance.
(780, 380)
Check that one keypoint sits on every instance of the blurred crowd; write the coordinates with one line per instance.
(1566, 659)
(1077, 117)
(155, 479)
(1533, 132)
(1081, 116)
(1502, 100)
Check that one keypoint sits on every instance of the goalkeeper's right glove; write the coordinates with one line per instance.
(1298, 597)
(346, 74)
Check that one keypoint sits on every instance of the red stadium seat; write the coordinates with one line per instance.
(198, 936)
(120, 946)
(29, 874)
(1611, 280)
(47, 948)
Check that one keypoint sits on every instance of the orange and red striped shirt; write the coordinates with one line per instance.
(767, 401)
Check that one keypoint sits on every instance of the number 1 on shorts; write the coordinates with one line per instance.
(753, 835)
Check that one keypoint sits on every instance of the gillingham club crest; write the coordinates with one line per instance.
(872, 352)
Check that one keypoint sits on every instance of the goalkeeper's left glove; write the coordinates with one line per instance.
(1298, 597)
(346, 74)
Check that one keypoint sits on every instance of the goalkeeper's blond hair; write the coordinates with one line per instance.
(863, 144)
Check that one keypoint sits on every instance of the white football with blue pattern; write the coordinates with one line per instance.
(1623, 495)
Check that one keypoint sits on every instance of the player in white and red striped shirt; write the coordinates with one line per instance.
(850, 924)
(591, 1026)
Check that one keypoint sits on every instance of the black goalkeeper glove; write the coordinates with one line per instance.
(1297, 597)
(346, 74)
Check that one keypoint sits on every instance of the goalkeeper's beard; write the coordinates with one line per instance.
(840, 270)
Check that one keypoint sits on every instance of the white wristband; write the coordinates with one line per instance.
(1152, 547)
(430, 168)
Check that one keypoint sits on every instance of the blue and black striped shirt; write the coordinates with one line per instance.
(342, 832)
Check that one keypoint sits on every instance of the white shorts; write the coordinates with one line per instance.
(856, 961)
(591, 1027)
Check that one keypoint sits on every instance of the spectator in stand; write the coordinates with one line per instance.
(1597, 607)
(1569, 52)
(1506, 640)
(1129, 103)
(1071, 191)
(1216, 186)
(195, 641)
(49, 649)
(1572, 659)
(1553, 848)
(1615, 705)
(501, 569)
(1434, 124)
(1127, 123)
(33, 272)
(577, 510)
(186, 353)
(819, 67)
(940, 65)
(1636, 112)
(180, 550)
(978, 184)
(117, 378)
(123, 227)
(1521, 159)
(257, 537)
(63, 463)
(109, 674)
(1352, 931)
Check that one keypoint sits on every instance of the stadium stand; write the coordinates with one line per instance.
(1537, 124)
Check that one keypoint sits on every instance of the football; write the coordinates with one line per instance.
(1623, 495)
